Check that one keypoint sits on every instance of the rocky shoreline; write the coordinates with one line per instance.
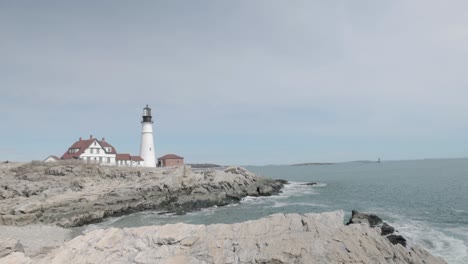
(79, 194)
(279, 238)
(40, 202)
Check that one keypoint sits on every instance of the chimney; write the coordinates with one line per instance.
(103, 139)
(90, 136)
(80, 138)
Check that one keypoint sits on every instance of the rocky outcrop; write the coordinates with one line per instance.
(77, 194)
(362, 218)
(374, 221)
(279, 238)
(9, 245)
(35, 240)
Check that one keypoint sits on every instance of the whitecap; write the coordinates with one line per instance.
(299, 189)
(279, 204)
(435, 240)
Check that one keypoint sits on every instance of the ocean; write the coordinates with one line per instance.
(425, 200)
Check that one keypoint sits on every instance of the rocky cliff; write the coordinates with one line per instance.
(77, 194)
(291, 238)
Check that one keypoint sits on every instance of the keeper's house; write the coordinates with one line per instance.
(100, 151)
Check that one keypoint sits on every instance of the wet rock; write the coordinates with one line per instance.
(386, 229)
(358, 218)
(310, 183)
(397, 239)
(372, 221)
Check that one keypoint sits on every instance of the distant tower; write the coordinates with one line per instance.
(147, 142)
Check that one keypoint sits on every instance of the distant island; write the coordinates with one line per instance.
(333, 163)
(313, 163)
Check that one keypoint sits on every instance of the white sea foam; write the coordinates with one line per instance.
(292, 189)
(435, 240)
(300, 189)
(255, 200)
(280, 204)
(440, 241)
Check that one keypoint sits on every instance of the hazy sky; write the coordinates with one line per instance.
(237, 82)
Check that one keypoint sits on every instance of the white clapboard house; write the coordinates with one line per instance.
(93, 150)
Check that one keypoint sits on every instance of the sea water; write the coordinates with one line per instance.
(426, 200)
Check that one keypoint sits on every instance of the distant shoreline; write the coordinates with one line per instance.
(334, 163)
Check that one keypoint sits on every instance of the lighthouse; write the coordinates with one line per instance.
(147, 142)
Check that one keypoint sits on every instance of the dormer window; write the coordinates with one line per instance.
(72, 150)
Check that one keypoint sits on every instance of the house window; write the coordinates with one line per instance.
(92, 150)
(100, 159)
(95, 143)
(97, 151)
(108, 160)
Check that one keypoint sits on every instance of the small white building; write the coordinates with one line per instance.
(52, 158)
(99, 151)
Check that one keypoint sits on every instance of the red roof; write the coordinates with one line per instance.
(122, 157)
(136, 158)
(170, 156)
(104, 144)
(82, 145)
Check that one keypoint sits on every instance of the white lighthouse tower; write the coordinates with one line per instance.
(147, 142)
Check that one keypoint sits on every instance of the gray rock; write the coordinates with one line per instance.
(279, 238)
(9, 245)
(83, 194)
